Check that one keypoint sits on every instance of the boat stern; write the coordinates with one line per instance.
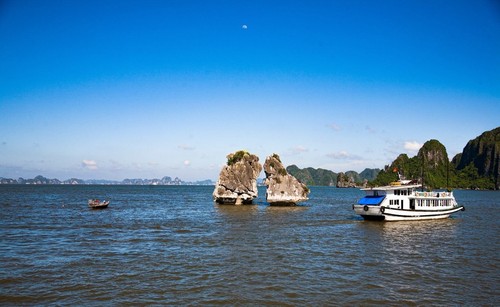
(369, 212)
(369, 207)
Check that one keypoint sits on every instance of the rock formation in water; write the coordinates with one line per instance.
(482, 153)
(282, 188)
(345, 181)
(237, 182)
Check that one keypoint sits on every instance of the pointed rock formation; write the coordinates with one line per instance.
(345, 181)
(282, 188)
(237, 182)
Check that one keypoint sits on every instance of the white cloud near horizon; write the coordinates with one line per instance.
(89, 164)
(343, 155)
(185, 147)
(300, 148)
(334, 127)
(370, 129)
(412, 146)
(297, 150)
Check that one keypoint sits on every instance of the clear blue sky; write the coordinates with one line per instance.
(127, 89)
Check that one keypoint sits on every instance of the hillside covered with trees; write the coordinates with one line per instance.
(477, 167)
(323, 177)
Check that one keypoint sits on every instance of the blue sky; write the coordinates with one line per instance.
(127, 89)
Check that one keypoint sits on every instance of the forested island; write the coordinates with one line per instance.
(477, 167)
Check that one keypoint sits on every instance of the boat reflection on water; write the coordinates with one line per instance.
(285, 209)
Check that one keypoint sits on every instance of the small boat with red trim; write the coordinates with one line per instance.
(401, 201)
(97, 204)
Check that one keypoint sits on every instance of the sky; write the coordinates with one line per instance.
(146, 89)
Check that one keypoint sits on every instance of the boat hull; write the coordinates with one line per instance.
(415, 215)
(99, 206)
(95, 204)
(369, 212)
(381, 213)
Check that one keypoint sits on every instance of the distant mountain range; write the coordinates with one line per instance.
(323, 177)
(73, 181)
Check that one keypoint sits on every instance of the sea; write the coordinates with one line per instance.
(172, 245)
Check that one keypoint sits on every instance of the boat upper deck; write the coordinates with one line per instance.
(393, 187)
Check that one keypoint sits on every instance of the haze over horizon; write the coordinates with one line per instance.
(146, 89)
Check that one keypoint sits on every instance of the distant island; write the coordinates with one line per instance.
(323, 177)
(38, 180)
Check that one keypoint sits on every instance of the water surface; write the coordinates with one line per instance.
(173, 245)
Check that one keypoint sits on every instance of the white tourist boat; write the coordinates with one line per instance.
(401, 201)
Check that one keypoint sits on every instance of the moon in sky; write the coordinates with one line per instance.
(244, 27)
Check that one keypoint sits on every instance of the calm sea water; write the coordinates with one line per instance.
(173, 245)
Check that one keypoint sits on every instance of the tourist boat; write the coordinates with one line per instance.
(401, 201)
(96, 204)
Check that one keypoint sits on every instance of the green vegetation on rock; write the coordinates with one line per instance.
(477, 167)
(237, 156)
(322, 177)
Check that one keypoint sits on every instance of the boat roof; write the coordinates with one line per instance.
(393, 187)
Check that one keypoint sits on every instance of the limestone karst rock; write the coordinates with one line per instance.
(237, 182)
(483, 153)
(282, 188)
(344, 181)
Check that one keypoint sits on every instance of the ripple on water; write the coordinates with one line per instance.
(173, 245)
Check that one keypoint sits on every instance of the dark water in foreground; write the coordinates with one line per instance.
(173, 245)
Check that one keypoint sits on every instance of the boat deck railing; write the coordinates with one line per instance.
(433, 194)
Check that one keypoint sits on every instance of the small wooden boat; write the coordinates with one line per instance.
(96, 204)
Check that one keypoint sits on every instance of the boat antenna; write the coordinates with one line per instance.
(422, 174)
(448, 174)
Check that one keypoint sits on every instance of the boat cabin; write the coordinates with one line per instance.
(405, 197)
